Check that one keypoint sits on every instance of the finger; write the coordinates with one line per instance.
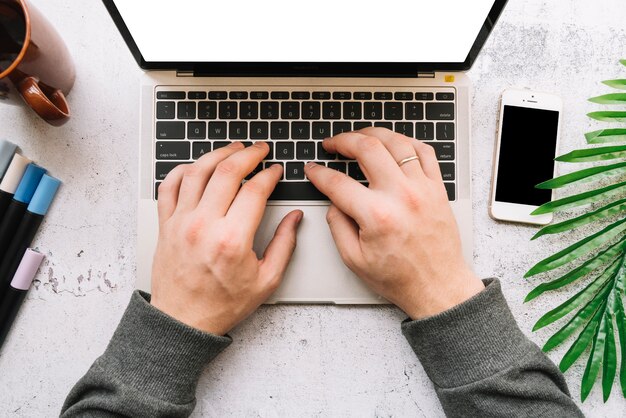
(168, 192)
(229, 173)
(346, 236)
(249, 204)
(344, 192)
(377, 164)
(197, 175)
(428, 160)
(280, 249)
(400, 147)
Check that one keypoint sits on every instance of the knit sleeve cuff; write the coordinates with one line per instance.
(468, 342)
(158, 355)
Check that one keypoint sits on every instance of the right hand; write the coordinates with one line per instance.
(399, 235)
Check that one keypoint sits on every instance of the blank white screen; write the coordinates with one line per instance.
(295, 31)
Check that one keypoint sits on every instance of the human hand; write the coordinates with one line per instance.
(205, 273)
(399, 235)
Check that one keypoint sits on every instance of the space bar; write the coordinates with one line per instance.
(300, 190)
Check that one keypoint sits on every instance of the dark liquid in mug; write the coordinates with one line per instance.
(12, 32)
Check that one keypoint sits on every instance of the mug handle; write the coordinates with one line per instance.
(49, 103)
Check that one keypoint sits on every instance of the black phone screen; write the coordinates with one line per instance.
(527, 149)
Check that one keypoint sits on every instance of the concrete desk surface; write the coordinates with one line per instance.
(287, 360)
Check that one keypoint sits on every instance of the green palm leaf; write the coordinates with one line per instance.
(616, 84)
(595, 359)
(606, 135)
(608, 116)
(587, 174)
(620, 320)
(612, 209)
(623, 62)
(579, 248)
(613, 98)
(583, 340)
(580, 199)
(594, 154)
(609, 361)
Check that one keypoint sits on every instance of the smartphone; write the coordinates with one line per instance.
(528, 136)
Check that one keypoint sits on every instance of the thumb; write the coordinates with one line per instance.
(280, 249)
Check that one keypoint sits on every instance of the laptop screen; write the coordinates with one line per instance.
(325, 31)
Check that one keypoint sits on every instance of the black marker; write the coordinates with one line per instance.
(10, 181)
(12, 301)
(27, 230)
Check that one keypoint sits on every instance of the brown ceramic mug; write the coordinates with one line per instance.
(34, 62)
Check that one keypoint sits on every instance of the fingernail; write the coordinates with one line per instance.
(310, 165)
(300, 216)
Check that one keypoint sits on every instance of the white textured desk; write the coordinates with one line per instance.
(288, 360)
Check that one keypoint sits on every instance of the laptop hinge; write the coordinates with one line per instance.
(184, 73)
(427, 74)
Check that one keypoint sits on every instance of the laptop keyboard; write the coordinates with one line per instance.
(191, 122)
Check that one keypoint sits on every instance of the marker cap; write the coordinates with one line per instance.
(29, 183)
(27, 270)
(14, 174)
(44, 195)
(7, 149)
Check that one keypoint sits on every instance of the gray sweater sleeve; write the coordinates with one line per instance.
(150, 368)
(482, 365)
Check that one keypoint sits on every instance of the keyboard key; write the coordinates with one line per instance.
(196, 130)
(393, 111)
(404, 128)
(163, 168)
(355, 172)
(445, 96)
(342, 95)
(238, 130)
(403, 95)
(269, 110)
(259, 130)
(439, 111)
(323, 155)
(294, 171)
(361, 125)
(424, 130)
(177, 150)
(300, 130)
(445, 130)
(339, 166)
(170, 130)
(352, 110)
(331, 110)
(414, 111)
(228, 110)
(207, 110)
(196, 95)
(218, 95)
(341, 127)
(311, 110)
(321, 95)
(447, 171)
(362, 95)
(424, 96)
(259, 95)
(247, 143)
(383, 96)
(220, 144)
(296, 190)
(284, 151)
(171, 95)
(268, 164)
(238, 95)
(373, 110)
(217, 130)
(290, 110)
(300, 95)
(279, 130)
(321, 130)
(186, 110)
(443, 150)
(248, 110)
(254, 172)
(166, 110)
(388, 125)
(305, 150)
(198, 149)
(450, 190)
(156, 190)
(270, 153)
(280, 95)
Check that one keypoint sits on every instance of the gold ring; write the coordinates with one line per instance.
(406, 160)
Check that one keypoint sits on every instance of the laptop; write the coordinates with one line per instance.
(291, 74)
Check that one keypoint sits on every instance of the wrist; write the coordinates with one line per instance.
(200, 321)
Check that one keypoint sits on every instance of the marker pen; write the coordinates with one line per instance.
(12, 301)
(7, 150)
(15, 212)
(10, 181)
(27, 230)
